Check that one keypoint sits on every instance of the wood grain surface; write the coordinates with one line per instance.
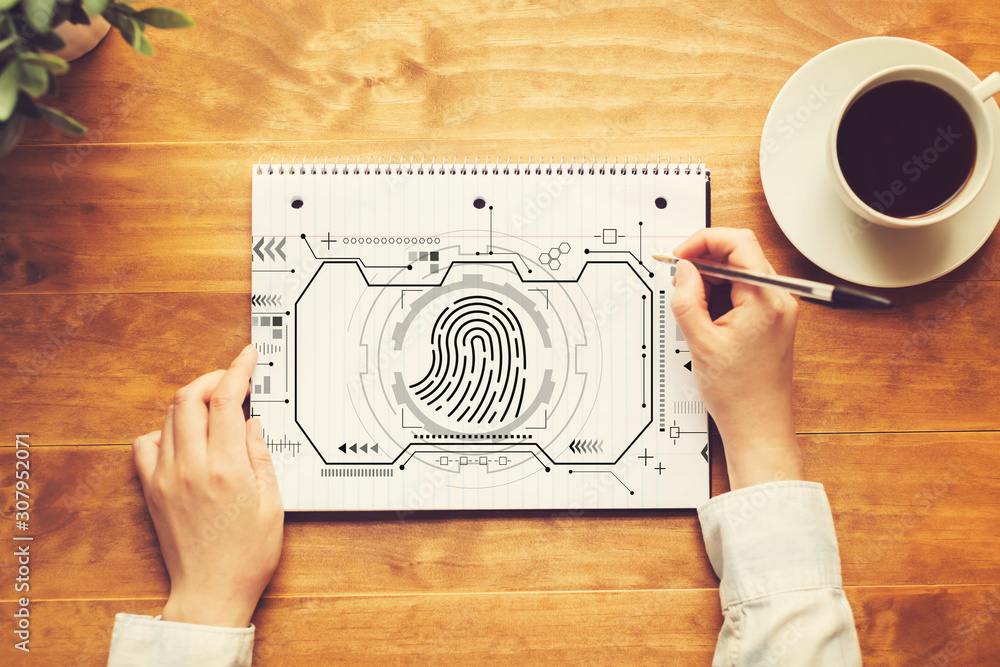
(125, 273)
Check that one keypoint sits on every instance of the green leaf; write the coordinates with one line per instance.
(26, 106)
(7, 4)
(123, 23)
(39, 13)
(34, 78)
(52, 63)
(61, 15)
(4, 43)
(11, 133)
(95, 7)
(145, 48)
(129, 12)
(136, 35)
(165, 17)
(8, 89)
(49, 41)
(78, 15)
(61, 120)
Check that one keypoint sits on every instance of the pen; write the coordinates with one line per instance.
(836, 296)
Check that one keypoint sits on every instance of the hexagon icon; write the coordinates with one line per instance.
(554, 253)
(544, 258)
(554, 264)
(564, 248)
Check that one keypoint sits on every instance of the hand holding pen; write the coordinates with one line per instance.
(835, 296)
(742, 361)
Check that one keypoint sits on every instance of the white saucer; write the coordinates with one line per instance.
(800, 192)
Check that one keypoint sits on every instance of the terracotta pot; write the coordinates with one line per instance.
(81, 38)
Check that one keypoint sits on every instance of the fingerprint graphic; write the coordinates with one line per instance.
(478, 362)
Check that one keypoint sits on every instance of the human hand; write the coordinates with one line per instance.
(742, 361)
(213, 496)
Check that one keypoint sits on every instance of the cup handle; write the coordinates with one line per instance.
(988, 87)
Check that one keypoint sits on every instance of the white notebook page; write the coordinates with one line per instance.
(433, 339)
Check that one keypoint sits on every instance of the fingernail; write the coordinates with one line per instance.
(247, 349)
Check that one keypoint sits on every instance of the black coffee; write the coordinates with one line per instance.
(906, 148)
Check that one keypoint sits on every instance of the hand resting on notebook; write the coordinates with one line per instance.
(742, 361)
(211, 491)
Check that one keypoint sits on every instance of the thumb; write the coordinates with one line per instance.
(688, 304)
(145, 451)
(261, 463)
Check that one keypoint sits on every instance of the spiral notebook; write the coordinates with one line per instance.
(475, 336)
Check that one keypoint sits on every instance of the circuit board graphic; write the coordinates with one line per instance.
(494, 336)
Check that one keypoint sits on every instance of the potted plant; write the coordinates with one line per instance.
(33, 31)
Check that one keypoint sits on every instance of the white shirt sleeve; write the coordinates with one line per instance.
(774, 549)
(145, 641)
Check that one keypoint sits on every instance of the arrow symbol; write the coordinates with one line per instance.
(278, 248)
(354, 448)
(267, 248)
(704, 452)
(375, 448)
(256, 248)
(688, 366)
(364, 448)
(343, 448)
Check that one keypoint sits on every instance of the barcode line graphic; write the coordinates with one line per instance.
(688, 407)
(356, 472)
(663, 360)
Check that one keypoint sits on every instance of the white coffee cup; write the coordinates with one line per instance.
(972, 98)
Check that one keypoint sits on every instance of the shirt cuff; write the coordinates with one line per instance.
(145, 640)
(771, 538)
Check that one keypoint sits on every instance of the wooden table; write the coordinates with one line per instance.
(125, 273)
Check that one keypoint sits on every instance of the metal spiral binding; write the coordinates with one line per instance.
(408, 167)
